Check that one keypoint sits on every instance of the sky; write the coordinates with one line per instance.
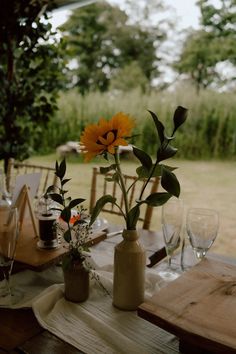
(186, 12)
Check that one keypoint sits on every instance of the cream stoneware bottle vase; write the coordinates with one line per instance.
(129, 272)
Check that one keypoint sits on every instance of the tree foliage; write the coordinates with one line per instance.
(102, 41)
(214, 43)
(30, 75)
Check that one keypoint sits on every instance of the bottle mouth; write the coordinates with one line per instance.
(47, 214)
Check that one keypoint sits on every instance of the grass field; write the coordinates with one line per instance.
(209, 184)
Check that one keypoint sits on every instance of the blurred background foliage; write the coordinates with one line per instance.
(109, 59)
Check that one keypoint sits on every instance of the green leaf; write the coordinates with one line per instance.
(169, 182)
(143, 157)
(159, 126)
(66, 214)
(67, 235)
(132, 217)
(61, 169)
(65, 181)
(99, 205)
(180, 117)
(143, 173)
(165, 152)
(157, 199)
(57, 198)
(170, 168)
(105, 170)
(49, 190)
(75, 202)
(113, 178)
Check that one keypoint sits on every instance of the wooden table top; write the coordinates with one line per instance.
(32, 257)
(19, 329)
(198, 307)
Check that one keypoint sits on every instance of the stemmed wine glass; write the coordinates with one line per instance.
(9, 233)
(172, 218)
(202, 228)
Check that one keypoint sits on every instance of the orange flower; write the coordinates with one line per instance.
(73, 219)
(106, 135)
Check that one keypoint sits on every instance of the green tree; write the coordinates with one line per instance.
(220, 22)
(128, 78)
(195, 60)
(30, 71)
(212, 44)
(101, 40)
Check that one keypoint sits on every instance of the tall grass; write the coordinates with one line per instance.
(210, 131)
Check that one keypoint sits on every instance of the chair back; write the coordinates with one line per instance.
(15, 168)
(100, 186)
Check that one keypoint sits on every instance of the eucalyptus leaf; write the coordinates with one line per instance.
(105, 170)
(99, 205)
(170, 168)
(75, 202)
(180, 117)
(113, 178)
(62, 169)
(169, 182)
(159, 126)
(49, 190)
(57, 198)
(157, 199)
(132, 217)
(65, 181)
(165, 152)
(143, 157)
(67, 235)
(66, 214)
(142, 172)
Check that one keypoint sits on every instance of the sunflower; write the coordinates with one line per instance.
(104, 136)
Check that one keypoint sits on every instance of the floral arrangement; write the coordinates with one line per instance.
(106, 136)
(72, 223)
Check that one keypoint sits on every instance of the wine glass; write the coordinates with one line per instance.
(172, 218)
(202, 228)
(9, 232)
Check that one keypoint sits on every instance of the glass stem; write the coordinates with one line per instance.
(169, 255)
(6, 288)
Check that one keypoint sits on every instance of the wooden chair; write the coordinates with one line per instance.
(15, 168)
(100, 186)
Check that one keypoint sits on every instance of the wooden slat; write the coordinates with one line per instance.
(98, 180)
(199, 307)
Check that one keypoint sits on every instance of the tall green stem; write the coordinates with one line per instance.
(122, 184)
(152, 171)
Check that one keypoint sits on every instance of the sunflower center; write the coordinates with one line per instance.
(108, 137)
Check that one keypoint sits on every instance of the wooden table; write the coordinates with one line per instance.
(199, 308)
(20, 331)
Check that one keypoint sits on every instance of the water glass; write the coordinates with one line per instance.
(9, 232)
(202, 228)
(172, 219)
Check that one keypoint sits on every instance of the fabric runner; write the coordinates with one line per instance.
(94, 326)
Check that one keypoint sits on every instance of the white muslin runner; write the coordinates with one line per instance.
(94, 326)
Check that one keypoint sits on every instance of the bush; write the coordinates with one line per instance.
(210, 131)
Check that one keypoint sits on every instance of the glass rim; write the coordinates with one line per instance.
(203, 211)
